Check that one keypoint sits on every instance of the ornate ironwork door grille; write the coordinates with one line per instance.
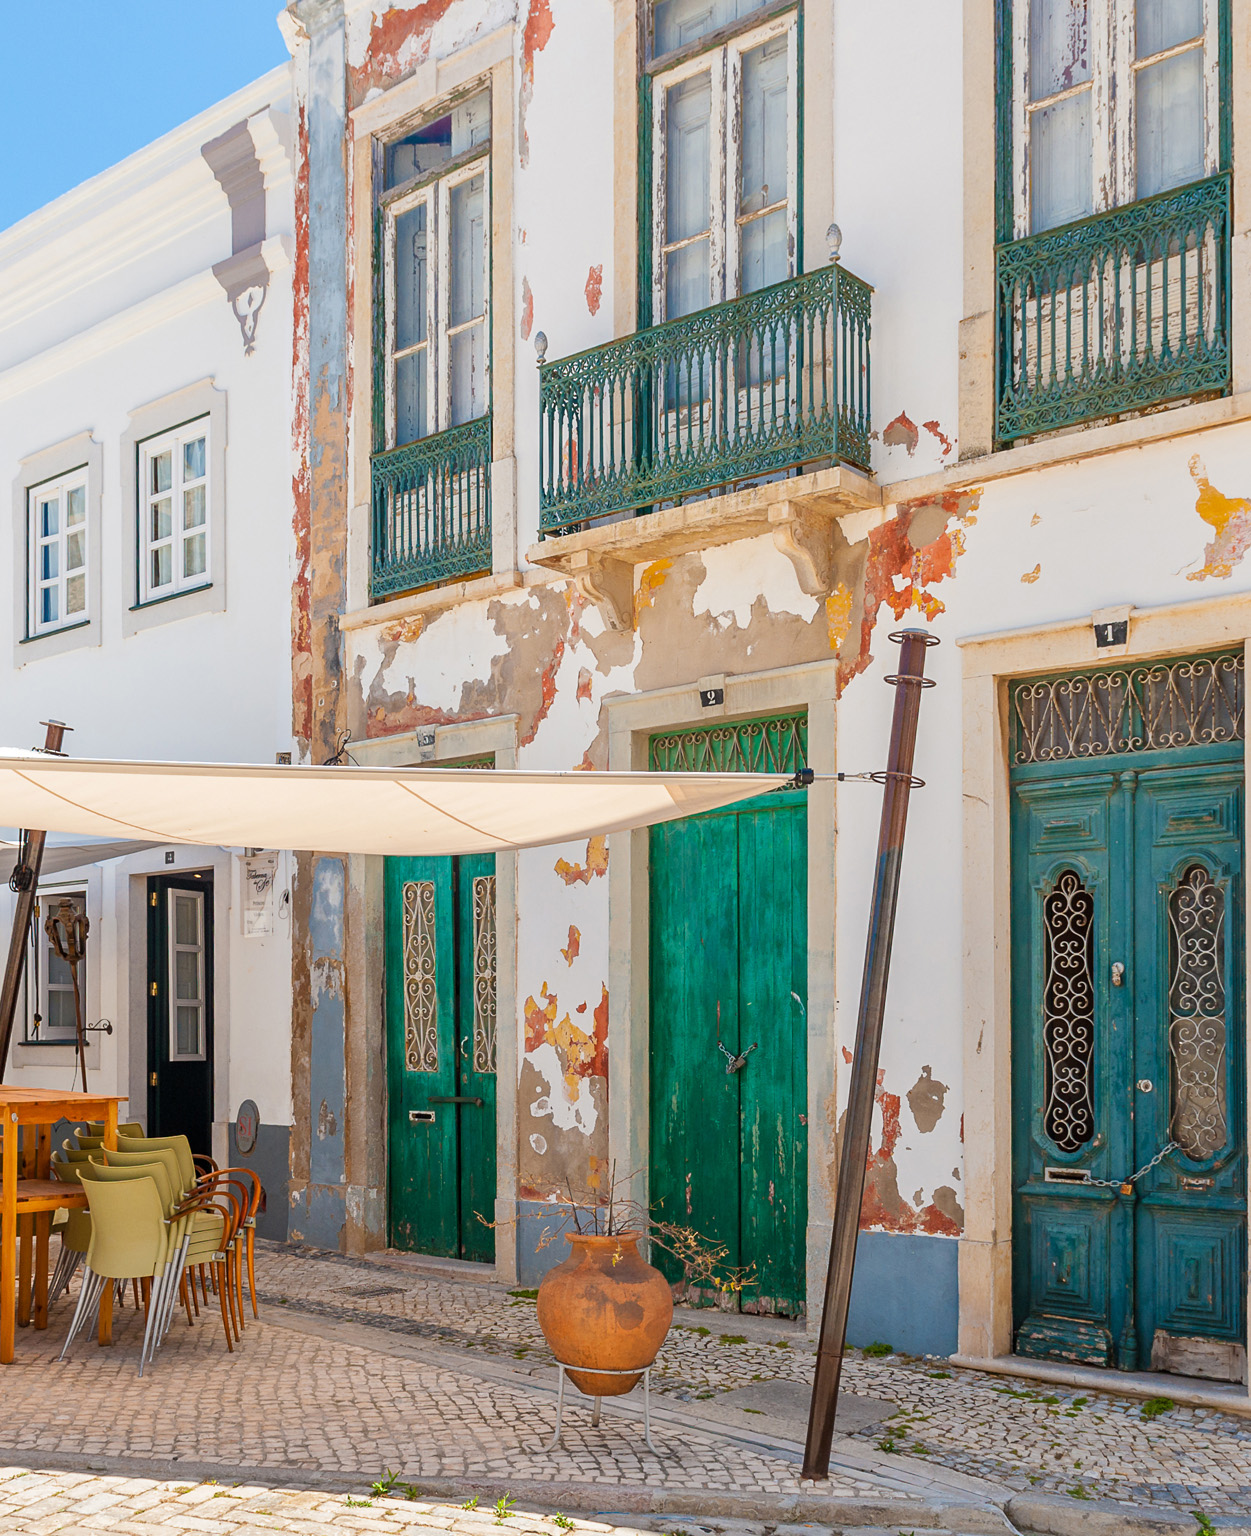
(1129, 1158)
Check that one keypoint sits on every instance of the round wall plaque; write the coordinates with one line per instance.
(247, 1124)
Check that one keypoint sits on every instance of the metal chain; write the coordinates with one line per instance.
(1173, 1146)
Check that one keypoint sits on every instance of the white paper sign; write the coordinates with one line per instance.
(260, 875)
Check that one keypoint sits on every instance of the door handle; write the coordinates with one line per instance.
(1145, 1085)
(1118, 974)
(453, 1098)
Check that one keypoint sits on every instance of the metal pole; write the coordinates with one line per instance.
(26, 883)
(898, 781)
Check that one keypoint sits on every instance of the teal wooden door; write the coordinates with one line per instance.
(729, 969)
(441, 1028)
(1129, 1237)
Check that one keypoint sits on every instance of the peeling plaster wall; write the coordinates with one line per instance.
(1166, 523)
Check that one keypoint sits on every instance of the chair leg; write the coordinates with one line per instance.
(153, 1295)
(252, 1268)
(134, 1286)
(228, 1282)
(221, 1291)
(236, 1257)
(92, 1285)
(184, 1296)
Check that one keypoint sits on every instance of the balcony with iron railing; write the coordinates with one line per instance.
(431, 511)
(753, 386)
(1124, 311)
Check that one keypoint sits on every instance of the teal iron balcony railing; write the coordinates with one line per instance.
(767, 382)
(431, 510)
(1121, 311)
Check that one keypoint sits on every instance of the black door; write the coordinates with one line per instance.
(180, 1008)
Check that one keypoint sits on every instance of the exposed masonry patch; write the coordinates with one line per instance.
(1230, 520)
(527, 309)
(901, 433)
(907, 556)
(594, 288)
(539, 26)
(926, 1099)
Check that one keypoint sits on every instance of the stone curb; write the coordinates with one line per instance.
(587, 1499)
(1050, 1514)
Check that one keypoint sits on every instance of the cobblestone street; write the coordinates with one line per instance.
(363, 1371)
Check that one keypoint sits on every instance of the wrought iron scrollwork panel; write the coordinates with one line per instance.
(1197, 1031)
(484, 984)
(1198, 701)
(1069, 1013)
(421, 1002)
(776, 745)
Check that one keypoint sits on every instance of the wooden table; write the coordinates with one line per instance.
(39, 1196)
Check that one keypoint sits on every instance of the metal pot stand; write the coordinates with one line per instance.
(551, 1444)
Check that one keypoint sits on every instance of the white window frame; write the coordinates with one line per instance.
(437, 197)
(60, 487)
(1113, 88)
(173, 894)
(150, 448)
(48, 900)
(725, 61)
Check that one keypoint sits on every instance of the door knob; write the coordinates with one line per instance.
(1145, 1085)
(1118, 974)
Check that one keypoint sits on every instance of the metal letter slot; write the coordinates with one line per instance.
(421, 1116)
(452, 1098)
(1066, 1176)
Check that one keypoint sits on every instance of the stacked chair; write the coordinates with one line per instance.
(157, 1215)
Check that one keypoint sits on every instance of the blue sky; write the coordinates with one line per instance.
(87, 82)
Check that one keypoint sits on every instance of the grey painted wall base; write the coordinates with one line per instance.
(905, 1293)
(270, 1161)
(318, 1214)
(540, 1240)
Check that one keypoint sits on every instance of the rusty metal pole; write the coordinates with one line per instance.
(26, 884)
(898, 781)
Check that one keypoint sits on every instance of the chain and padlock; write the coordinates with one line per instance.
(1126, 1186)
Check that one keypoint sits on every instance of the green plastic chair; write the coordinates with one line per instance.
(75, 1233)
(199, 1237)
(179, 1145)
(130, 1240)
(126, 1128)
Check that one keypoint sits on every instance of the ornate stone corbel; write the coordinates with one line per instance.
(245, 277)
(607, 583)
(806, 538)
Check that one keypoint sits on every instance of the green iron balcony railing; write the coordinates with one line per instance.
(431, 510)
(764, 383)
(1121, 311)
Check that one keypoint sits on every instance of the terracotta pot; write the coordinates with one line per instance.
(605, 1307)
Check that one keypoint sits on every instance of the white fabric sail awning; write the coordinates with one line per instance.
(429, 811)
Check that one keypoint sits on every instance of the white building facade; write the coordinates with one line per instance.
(145, 431)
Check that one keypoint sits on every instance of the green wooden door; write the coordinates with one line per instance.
(729, 969)
(1128, 1021)
(441, 1028)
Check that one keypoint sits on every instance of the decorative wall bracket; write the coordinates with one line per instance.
(608, 584)
(807, 539)
(245, 277)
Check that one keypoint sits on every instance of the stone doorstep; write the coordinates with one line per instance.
(1052, 1514)
(1187, 1391)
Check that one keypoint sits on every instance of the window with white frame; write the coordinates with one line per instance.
(57, 553)
(51, 1016)
(725, 165)
(186, 975)
(1114, 100)
(435, 202)
(174, 511)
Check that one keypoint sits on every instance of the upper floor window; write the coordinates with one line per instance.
(724, 161)
(436, 212)
(56, 522)
(1115, 100)
(677, 23)
(174, 511)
